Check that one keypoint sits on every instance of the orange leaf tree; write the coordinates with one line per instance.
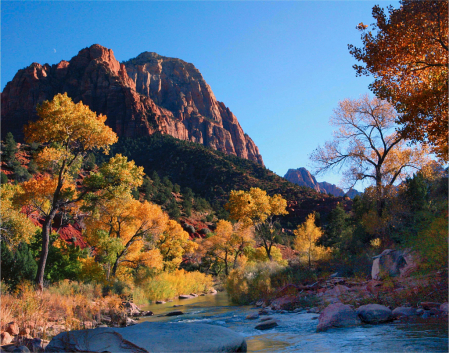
(408, 56)
(70, 131)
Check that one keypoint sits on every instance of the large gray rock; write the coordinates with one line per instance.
(266, 325)
(393, 263)
(374, 313)
(150, 337)
(337, 315)
(404, 312)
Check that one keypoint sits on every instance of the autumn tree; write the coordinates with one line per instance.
(69, 131)
(124, 231)
(367, 147)
(227, 243)
(407, 52)
(256, 208)
(306, 236)
(173, 243)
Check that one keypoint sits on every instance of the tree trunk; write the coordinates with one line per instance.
(268, 249)
(114, 268)
(379, 203)
(226, 264)
(46, 231)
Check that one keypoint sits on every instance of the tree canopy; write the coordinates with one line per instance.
(256, 208)
(367, 147)
(306, 236)
(407, 53)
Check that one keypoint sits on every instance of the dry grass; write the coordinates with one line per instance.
(63, 307)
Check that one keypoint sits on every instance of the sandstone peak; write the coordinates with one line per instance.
(147, 94)
(303, 177)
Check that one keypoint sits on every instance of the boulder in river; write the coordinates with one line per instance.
(266, 325)
(404, 312)
(252, 316)
(185, 296)
(132, 309)
(174, 313)
(150, 337)
(374, 313)
(337, 315)
(430, 305)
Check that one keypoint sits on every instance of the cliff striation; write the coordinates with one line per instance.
(147, 94)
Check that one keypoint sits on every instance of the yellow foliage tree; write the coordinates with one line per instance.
(15, 226)
(227, 243)
(306, 236)
(256, 208)
(173, 243)
(259, 254)
(73, 130)
(125, 231)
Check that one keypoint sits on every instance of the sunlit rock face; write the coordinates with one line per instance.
(147, 94)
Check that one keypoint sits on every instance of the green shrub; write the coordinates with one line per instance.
(18, 265)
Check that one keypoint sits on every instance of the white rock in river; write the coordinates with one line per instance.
(150, 337)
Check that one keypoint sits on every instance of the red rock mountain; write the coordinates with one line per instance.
(302, 177)
(147, 94)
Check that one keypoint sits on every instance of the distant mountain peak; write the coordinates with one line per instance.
(303, 177)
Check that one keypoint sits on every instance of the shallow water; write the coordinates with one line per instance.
(297, 332)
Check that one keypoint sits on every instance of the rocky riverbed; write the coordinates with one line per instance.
(297, 331)
(335, 327)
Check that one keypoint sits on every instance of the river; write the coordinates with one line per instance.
(297, 331)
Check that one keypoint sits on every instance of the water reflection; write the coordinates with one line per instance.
(297, 332)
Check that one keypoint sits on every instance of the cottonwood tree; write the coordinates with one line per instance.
(70, 131)
(256, 208)
(124, 231)
(173, 243)
(366, 146)
(306, 236)
(226, 244)
(407, 52)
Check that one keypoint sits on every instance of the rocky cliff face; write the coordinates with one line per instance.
(144, 95)
(302, 177)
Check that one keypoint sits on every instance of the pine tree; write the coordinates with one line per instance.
(10, 149)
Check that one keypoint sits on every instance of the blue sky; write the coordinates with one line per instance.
(281, 67)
